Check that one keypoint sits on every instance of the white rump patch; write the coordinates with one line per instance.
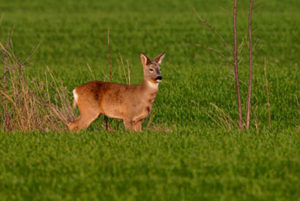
(75, 95)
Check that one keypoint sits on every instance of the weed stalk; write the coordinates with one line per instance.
(250, 67)
(235, 62)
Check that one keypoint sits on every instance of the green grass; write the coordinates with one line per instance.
(152, 166)
(73, 35)
(197, 159)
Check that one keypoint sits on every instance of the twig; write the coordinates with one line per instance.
(1, 18)
(123, 67)
(90, 69)
(10, 100)
(109, 57)
(241, 46)
(203, 21)
(256, 119)
(5, 71)
(128, 71)
(250, 67)
(33, 50)
(235, 58)
(5, 51)
(214, 50)
(110, 76)
(268, 94)
(150, 119)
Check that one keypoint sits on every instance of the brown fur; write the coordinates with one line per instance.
(131, 103)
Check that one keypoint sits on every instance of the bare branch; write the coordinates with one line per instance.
(108, 54)
(90, 69)
(250, 67)
(33, 50)
(214, 50)
(5, 71)
(203, 21)
(235, 58)
(107, 127)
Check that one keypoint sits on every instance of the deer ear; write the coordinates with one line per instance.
(159, 58)
(145, 60)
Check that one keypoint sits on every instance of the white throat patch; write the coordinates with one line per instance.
(153, 85)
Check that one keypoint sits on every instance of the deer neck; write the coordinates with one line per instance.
(150, 90)
(150, 86)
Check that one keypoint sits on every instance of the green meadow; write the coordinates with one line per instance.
(190, 148)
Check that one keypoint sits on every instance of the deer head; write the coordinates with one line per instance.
(152, 68)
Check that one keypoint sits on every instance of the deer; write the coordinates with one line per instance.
(130, 103)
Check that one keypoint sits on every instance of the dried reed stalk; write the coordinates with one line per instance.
(30, 104)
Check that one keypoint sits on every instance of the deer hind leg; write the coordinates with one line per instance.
(87, 116)
(73, 125)
(82, 122)
(138, 126)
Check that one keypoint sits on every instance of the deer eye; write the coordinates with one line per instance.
(151, 70)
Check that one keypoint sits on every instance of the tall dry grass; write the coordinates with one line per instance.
(221, 118)
(31, 103)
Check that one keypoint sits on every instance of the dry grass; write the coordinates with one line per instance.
(221, 118)
(31, 104)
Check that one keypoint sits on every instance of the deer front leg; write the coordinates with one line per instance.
(133, 126)
(128, 124)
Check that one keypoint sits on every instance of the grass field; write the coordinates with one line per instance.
(183, 165)
(186, 153)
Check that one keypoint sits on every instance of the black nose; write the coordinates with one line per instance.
(159, 78)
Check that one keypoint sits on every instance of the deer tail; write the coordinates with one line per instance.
(75, 98)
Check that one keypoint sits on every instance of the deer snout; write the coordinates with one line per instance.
(158, 78)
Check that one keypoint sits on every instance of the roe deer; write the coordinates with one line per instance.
(131, 103)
